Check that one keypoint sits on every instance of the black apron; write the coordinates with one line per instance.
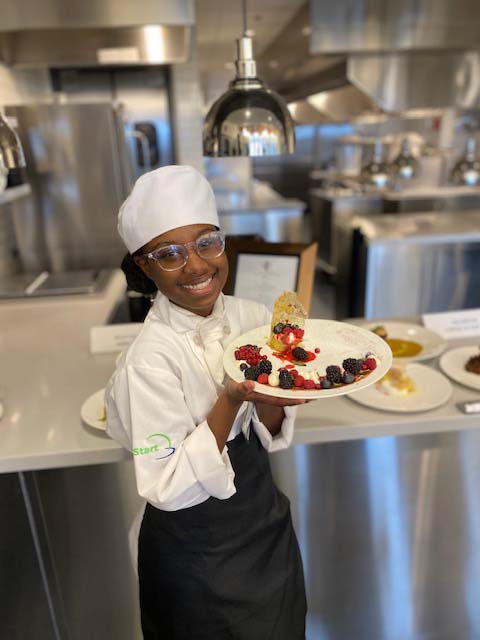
(224, 569)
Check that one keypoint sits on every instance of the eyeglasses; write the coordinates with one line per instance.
(175, 256)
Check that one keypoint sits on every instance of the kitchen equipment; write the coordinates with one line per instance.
(377, 172)
(82, 159)
(11, 152)
(410, 264)
(467, 169)
(72, 282)
(405, 165)
(248, 119)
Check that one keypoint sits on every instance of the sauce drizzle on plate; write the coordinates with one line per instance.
(404, 348)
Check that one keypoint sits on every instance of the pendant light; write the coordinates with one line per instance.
(248, 119)
(11, 152)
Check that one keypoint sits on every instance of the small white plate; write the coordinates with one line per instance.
(92, 410)
(432, 390)
(432, 343)
(453, 364)
(336, 340)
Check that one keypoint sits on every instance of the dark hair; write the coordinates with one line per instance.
(136, 279)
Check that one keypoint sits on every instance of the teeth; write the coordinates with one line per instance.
(200, 285)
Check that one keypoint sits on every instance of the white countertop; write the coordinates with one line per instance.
(47, 372)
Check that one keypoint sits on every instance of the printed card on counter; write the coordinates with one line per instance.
(453, 325)
(113, 337)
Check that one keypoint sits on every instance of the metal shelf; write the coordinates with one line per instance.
(14, 193)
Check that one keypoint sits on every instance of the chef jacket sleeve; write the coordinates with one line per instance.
(284, 437)
(177, 462)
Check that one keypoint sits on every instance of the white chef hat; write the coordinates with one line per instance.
(165, 199)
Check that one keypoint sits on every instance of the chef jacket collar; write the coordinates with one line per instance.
(183, 321)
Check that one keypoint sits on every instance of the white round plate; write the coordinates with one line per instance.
(453, 364)
(92, 410)
(336, 341)
(432, 390)
(432, 343)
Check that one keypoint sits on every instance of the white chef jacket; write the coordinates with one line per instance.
(160, 394)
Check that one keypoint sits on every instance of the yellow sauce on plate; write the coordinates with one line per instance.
(404, 348)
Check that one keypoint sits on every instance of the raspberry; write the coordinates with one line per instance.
(298, 381)
(285, 379)
(352, 365)
(309, 384)
(318, 385)
(299, 353)
(334, 374)
(263, 378)
(298, 333)
(317, 350)
(371, 363)
(286, 329)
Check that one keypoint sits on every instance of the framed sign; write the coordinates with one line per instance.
(261, 270)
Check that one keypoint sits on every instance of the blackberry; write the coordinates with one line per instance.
(286, 379)
(299, 353)
(334, 374)
(352, 365)
(251, 373)
(278, 328)
(265, 366)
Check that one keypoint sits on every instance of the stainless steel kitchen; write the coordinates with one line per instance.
(274, 188)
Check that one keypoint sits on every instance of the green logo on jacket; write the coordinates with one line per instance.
(163, 440)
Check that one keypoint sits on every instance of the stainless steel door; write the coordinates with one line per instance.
(76, 164)
(389, 530)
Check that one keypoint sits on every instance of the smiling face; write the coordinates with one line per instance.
(197, 285)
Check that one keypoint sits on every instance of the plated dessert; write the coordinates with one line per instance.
(462, 365)
(407, 389)
(401, 348)
(397, 382)
(473, 364)
(410, 342)
(297, 357)
(93, 411)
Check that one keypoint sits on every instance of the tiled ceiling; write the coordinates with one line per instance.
(220, 23)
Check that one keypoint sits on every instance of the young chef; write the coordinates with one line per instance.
(217, 555)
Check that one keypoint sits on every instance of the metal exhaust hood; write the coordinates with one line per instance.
(389, 55)
(55, 33)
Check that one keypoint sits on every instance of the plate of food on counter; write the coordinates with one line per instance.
(410, 342)
(93, 411)
(407, 388)
(462, 365)
(295, 357)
